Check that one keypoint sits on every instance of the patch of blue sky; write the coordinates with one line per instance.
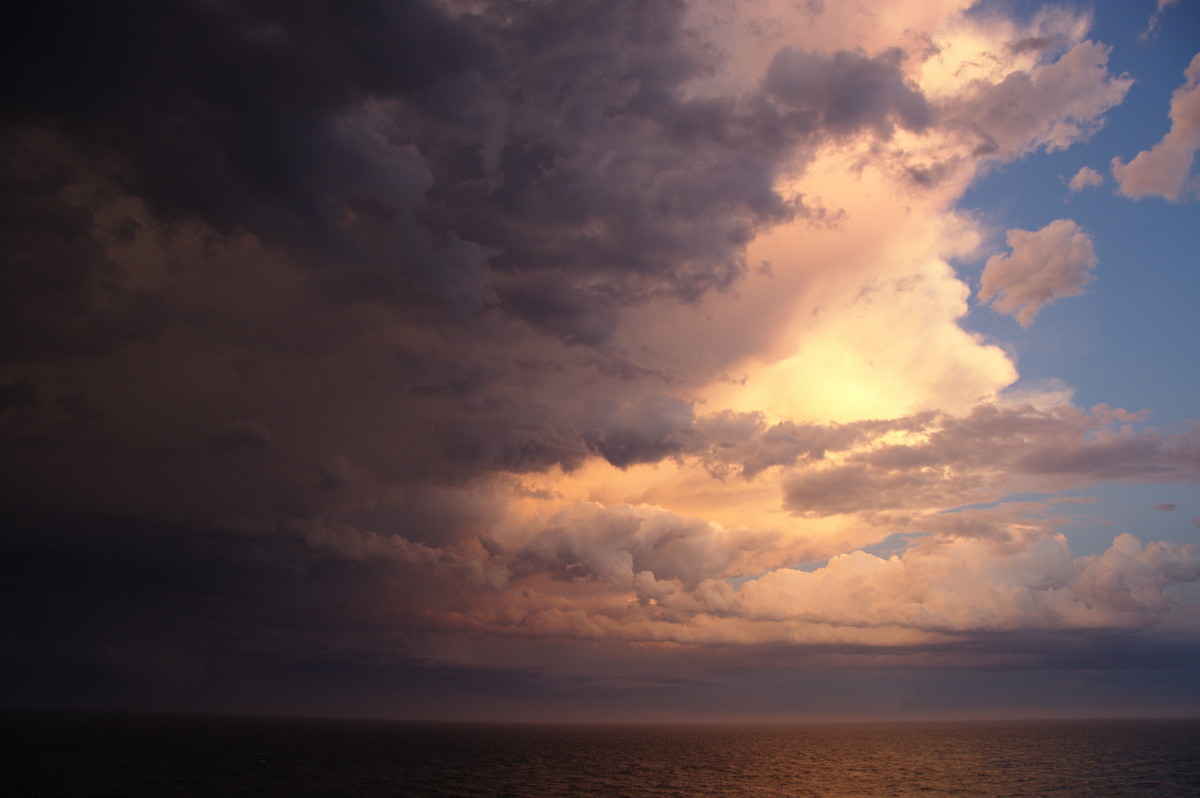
(808, 566)
(1015, 498)
(1133, 339)
(894, 544)
(1096, 514)
(1166, 512)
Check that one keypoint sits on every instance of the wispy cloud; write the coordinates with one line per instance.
(1155, 17)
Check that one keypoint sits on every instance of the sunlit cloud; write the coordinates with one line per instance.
(1164, 169)
(1086, 177)
(1045, 265)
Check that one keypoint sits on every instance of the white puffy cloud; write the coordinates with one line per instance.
(1045, 265)
(1163, 169)
(1027, 581)
(640, 574)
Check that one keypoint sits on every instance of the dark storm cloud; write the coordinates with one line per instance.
(59, 292)
(239, 435)
(351, 224)
(543, 156)
(643, 433)
(107, 605)
(213, 105)
(848, 91)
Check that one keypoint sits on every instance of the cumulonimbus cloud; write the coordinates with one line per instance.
(346, 322)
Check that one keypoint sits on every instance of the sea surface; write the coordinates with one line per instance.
(122, 755)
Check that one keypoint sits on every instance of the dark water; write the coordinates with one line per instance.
(205, 756)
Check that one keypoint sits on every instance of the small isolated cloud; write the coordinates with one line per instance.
(1152, 24)
(1045, 265)
(1166, 507)
(1084, 178)
(1163, 169)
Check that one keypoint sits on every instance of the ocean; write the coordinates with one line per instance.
(125, 755)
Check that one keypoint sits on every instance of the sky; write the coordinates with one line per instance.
(601, 361)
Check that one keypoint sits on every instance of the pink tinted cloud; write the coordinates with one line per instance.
(1029, 581)
(939, 588)
(1085, 178)
(989, 453)
(1052, 105)
(1152, 23)
(1163, 169)
(633, 548)
(1045, 265)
